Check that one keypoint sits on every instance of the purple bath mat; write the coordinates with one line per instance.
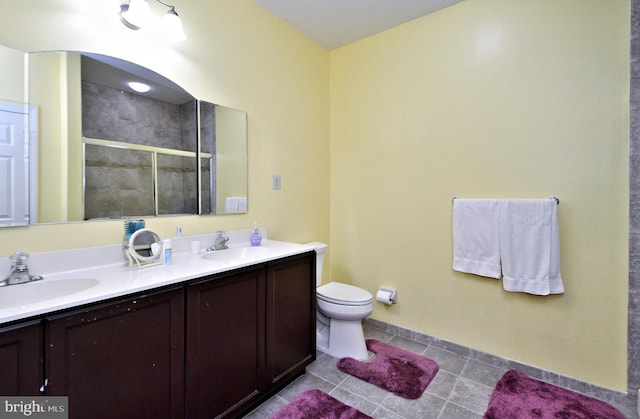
(518, 396)
(318, 405)
(403, 373)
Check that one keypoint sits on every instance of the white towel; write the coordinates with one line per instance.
(476, 245)
(530, 246)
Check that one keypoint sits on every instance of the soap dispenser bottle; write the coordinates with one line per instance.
(255, 237)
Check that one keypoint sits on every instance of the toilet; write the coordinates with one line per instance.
(341, 309)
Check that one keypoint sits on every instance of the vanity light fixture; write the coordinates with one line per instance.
(135, 15)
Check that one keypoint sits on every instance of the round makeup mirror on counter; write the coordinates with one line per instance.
(144, 248)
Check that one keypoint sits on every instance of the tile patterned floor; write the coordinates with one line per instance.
(460, 390)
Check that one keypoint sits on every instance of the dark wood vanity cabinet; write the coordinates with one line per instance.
(21, 359)
(124, 358)
(291, 317)
(225, 343)
(213, 347)
(248, 333)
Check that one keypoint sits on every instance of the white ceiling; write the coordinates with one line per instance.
(335, 23)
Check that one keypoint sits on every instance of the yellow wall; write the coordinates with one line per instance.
(47, 92)
(55, 90)
(236, 55)
(12, 75)
(231, 150)
(75, 152)
(489, 98)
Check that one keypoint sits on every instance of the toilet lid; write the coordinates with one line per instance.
(338, 293)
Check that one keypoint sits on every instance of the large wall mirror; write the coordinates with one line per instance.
(95, 146)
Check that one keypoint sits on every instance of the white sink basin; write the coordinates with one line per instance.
(43, 290)
(237, 254)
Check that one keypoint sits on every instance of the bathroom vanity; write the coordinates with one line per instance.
(211, 340)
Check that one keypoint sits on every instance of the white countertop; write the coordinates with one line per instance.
(63, 289)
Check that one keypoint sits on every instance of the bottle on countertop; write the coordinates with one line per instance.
(255, 237)
(167, 251)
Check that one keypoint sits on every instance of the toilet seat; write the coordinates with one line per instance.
(343, 294)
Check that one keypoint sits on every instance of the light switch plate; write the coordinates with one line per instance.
(276, 182)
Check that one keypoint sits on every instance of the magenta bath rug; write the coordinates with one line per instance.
(518, 396)
(317, 404)
(403, 373)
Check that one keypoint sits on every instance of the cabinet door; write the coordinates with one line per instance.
(121, 359)
(225, 344)
(291, 317)
(21, 359)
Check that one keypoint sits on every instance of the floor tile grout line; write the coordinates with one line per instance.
(458, 377)
(361, 397)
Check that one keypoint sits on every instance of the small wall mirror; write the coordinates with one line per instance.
(144, 248)
(94, 148)
(223, 145)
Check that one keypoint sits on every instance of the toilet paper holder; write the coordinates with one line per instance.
(387, 295)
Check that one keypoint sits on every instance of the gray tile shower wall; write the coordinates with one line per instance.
(120, 116)
(107, 114)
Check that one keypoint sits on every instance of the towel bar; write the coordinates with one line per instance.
(553, 197)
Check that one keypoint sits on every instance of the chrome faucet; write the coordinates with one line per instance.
(19, 273)
(220, 242)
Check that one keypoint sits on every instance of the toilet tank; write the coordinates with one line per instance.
(321, 249)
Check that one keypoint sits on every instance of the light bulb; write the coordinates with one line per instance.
(139, 87)
(136, 14)
(173, 26)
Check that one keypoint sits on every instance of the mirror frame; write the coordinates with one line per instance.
(144, 239)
